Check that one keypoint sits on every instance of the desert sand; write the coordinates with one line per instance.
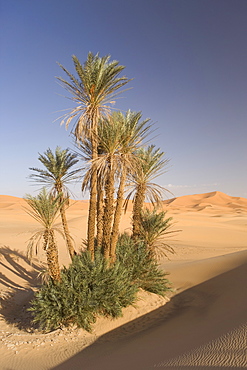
(202, 324)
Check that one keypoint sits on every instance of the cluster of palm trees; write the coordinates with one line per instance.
(112, 146)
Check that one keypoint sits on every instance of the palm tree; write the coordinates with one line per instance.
(151, 165)
(57, 175)
(100, 210)
(93, 93)
(153, 228)
(119, 136)
(45, 209)
(85, 153)
(133, 132)
(107, 166)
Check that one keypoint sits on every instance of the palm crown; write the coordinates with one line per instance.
(151, 165)
(58, 171)
(44, 208)
(94, 91)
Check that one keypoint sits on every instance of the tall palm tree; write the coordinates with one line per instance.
(57, 175)
(100, 210)
(119, 136)
(151, 165)
(93, 93)
(107, 165)
(85, 153)
(134, 131)
(44, 208)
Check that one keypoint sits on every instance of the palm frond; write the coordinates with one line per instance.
(44, 208)
(99, 82)
(34, 244)
(119, 136)
(57, 173)
(150, 165)
(154, 228)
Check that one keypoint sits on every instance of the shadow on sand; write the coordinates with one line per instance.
(19, 290)
(193, 320)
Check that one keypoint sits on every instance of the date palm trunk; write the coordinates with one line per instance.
(137, 208)
(51, 255)
(100, 213)
(117, 215)
(68, 238)
(93, 192)
(92, 214)
(109, 210)
(67, 235)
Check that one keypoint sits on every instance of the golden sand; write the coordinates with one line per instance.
(201, 325)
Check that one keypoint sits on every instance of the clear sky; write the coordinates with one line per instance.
(188, 59)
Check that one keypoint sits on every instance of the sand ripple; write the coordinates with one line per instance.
(229, 350)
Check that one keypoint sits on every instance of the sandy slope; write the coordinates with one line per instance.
(202, 325)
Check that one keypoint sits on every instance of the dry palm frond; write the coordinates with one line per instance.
(36, 241)
(44, 276)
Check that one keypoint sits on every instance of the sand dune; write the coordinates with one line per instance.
(215, 200)
(202, 325)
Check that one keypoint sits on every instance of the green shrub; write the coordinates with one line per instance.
(91, 288)
(87, 289)
(142, 265)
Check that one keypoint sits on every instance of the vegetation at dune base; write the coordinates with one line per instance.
(116, 166)
(91, 288)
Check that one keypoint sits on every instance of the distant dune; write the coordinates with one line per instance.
(216, 199)
(201, 325)
(196, 202)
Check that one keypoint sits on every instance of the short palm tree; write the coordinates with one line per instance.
(57, 175)
(93, 93)
(151, 165)
(44, 208)
(154, 228)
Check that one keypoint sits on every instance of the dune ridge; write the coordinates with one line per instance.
(214, 199)
(202, 324)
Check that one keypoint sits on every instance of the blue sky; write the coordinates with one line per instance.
(188, 59)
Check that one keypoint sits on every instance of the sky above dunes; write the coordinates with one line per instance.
(188, 59)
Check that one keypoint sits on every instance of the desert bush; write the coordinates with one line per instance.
(87, 289)
(141, 264)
